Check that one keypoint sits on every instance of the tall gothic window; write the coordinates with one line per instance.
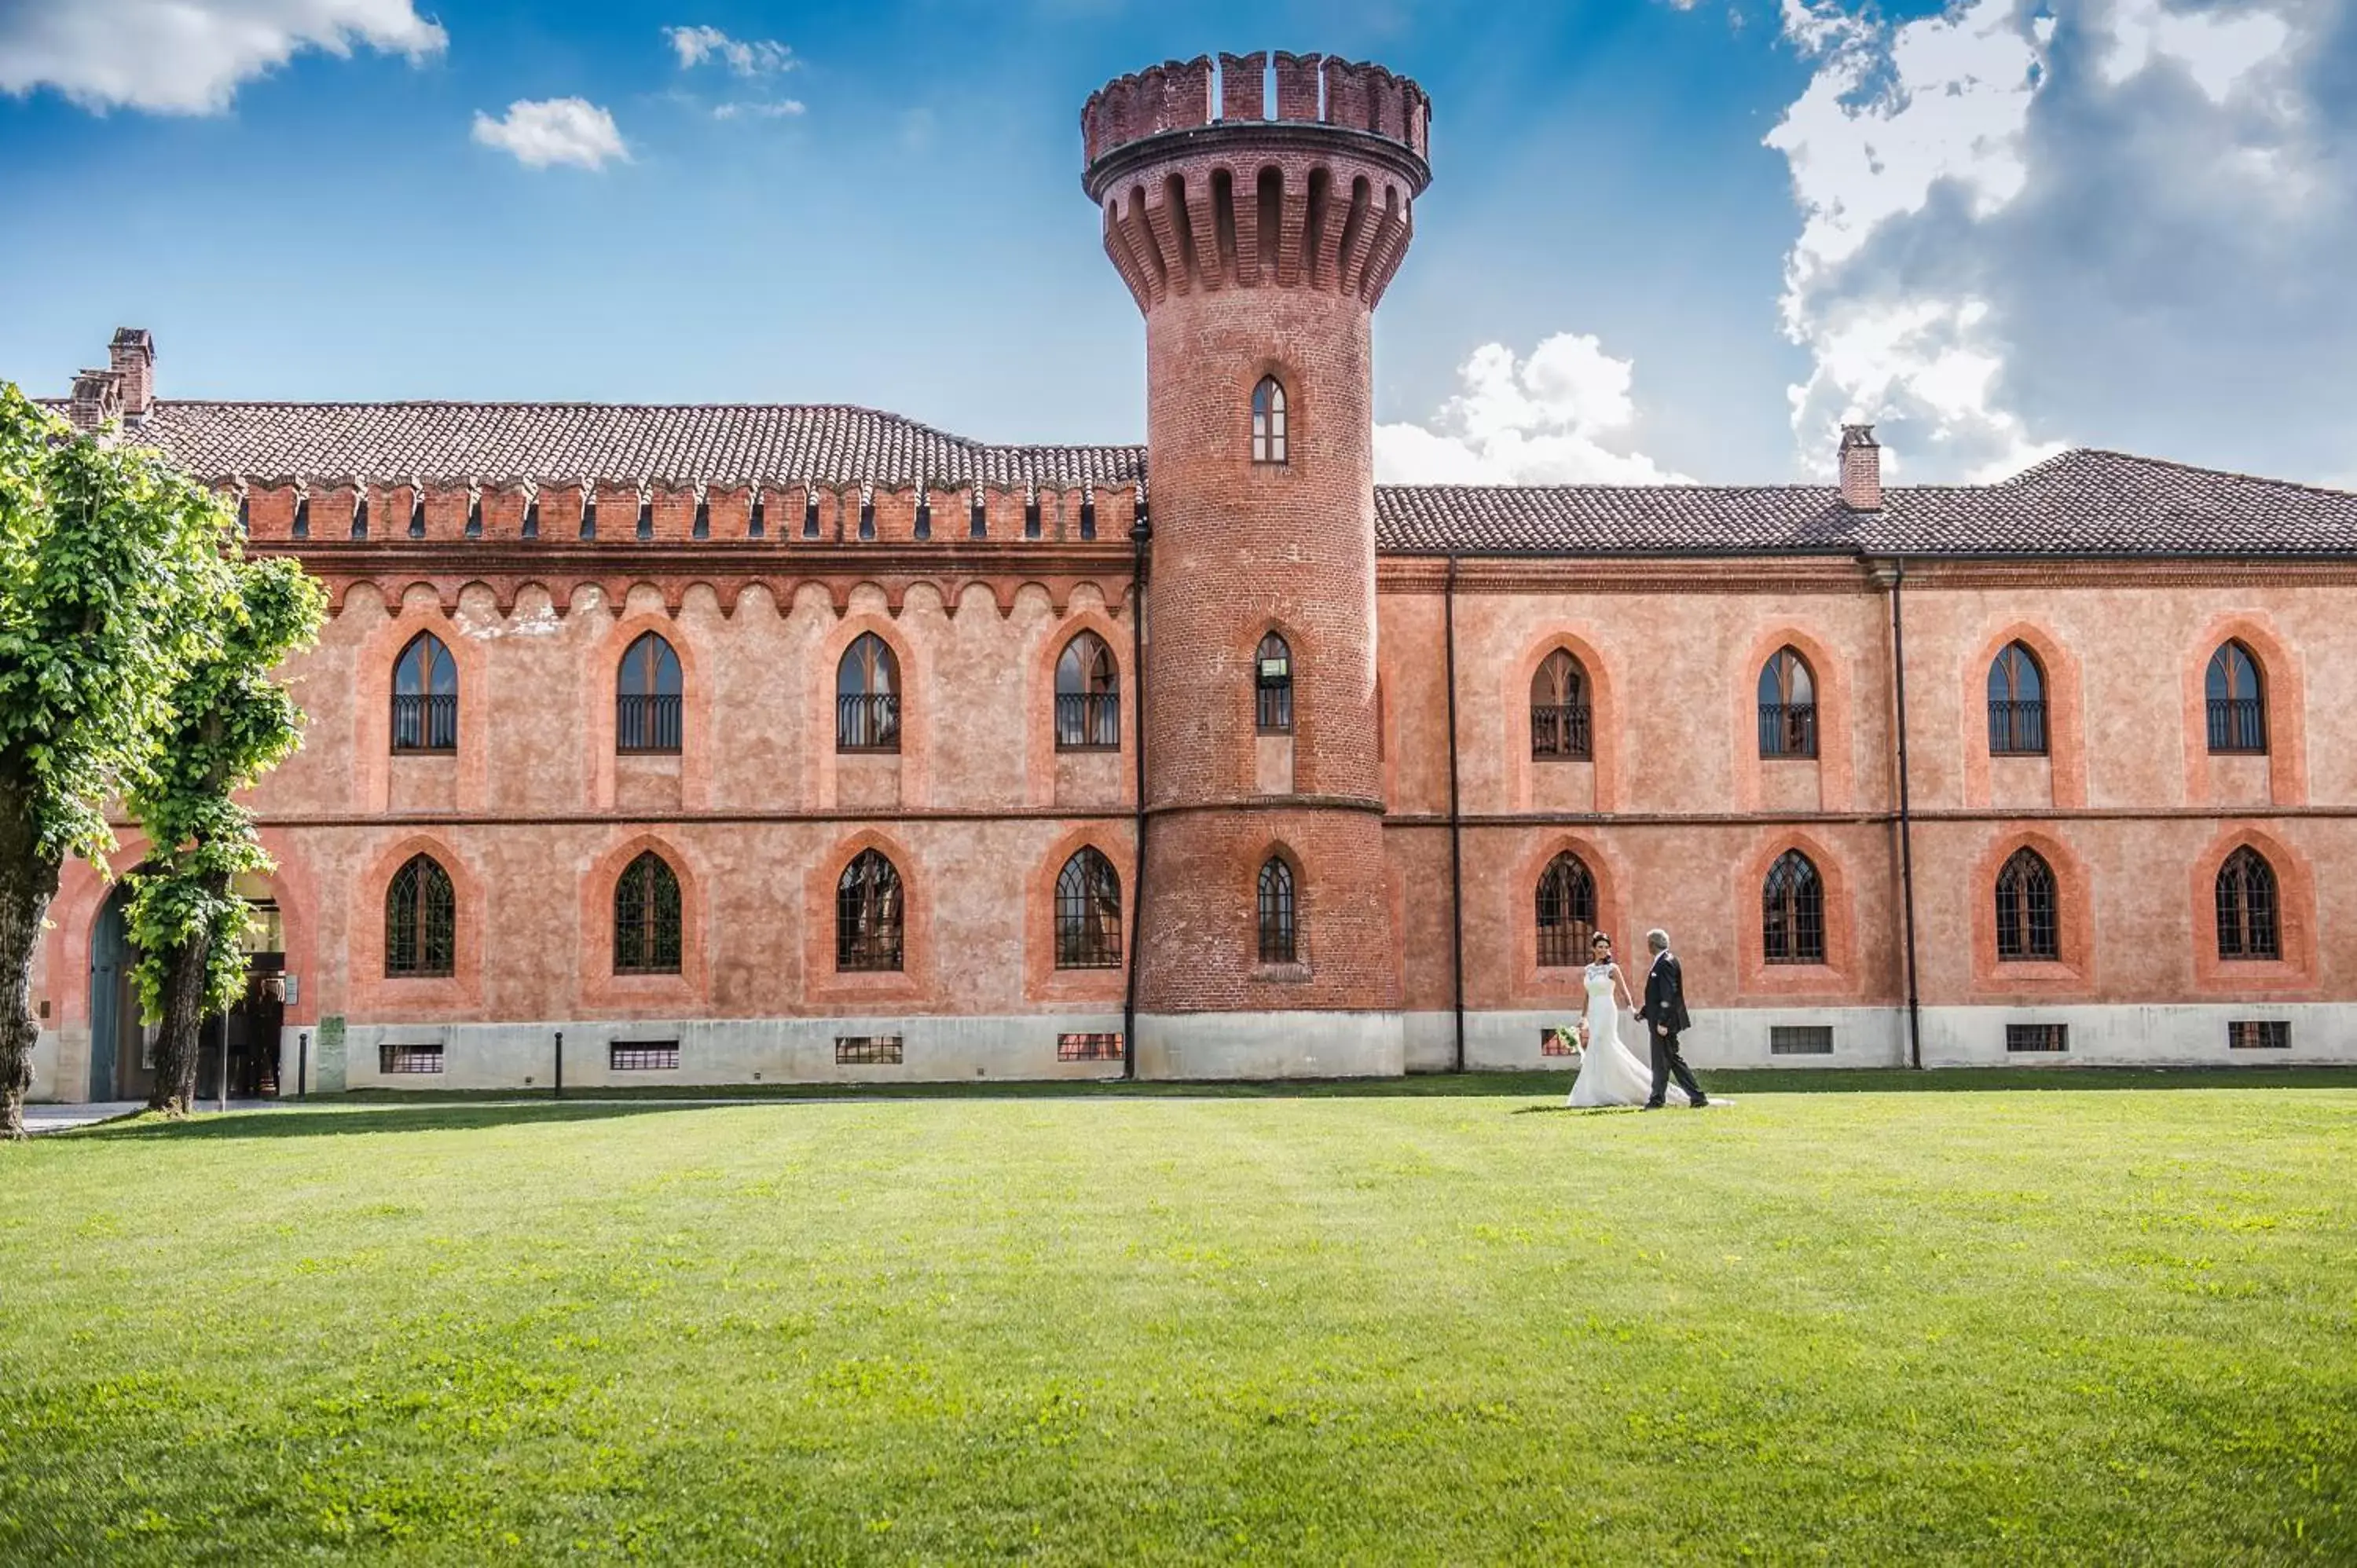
(1788, 706)
(646, 917)
(2017, 704)
(1792, 911)
(1088, 696)
(868, 697)
(1088, 913)
(2027, 925)
(2238, 701)
(1273, 686)
(868, 908)
(1279, 935)
(1566, 912)
(1559, 716)
(647, 697)
(425, 697)
(421, 920)
(1268, 421)
(2250, 923)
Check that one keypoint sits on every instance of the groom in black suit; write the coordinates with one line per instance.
(1664, 1017)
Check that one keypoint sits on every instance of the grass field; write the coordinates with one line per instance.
(2112, 1321)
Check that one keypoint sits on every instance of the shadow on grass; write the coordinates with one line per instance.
(380, 1111)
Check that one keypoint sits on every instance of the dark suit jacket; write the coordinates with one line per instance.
(1665, 998)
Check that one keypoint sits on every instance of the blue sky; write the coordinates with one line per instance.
(1662, 239)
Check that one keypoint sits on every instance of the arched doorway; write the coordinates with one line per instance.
(122, 1049)
(121, 1062)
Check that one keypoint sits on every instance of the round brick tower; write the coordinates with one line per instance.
(1256, 238)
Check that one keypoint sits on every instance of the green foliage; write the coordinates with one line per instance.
(108, 557)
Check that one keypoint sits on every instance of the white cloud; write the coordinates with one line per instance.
(756, 57)
(188, 57)
(2216, 51)
(778, 109)
(554, 131)
(1561, 416)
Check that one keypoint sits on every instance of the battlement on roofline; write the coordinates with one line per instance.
(1241, 90)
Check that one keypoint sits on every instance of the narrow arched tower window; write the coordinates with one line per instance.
(1268, 421)
(1273, 686)
(2249, 923)
(1088, 696)
(2027, 926)
(647, 697)
(1559, 713)
(2238, 703)
(1088, 913)
(1279, 935)
(646, 917)
(2017, 704)
(868, 914)
(1788, 706)
(425, 697)
(868, 697)
(421, 920)
(1792, 911)
(1566, 912)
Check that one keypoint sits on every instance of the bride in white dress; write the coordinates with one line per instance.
(1610, 1072)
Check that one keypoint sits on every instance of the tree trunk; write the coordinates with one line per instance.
(184, 1019)
(28, 880)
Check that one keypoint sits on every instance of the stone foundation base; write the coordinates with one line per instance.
(1270, 1044)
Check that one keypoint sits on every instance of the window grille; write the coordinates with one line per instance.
(1788, 706)
(1792, 911)
(1279, 931)
(1273, 686)
(1566, 911)
(867, 698)
(2017, 704)
(1560, 725)
(868, 1050)
(646, 697)
(1088, 1048)
(2238, 712)
(1088, 696)
(421, 918)
(1088, 913)
(1800, 1039)
(641, 1056)
(2037, 1037)
(402, 1059)
(647, 917)
(868, 909)
(2259, 1034)
(425, 697)
(2027, 927)
(1268, 432)
(2249, 920)
(1558, 1042)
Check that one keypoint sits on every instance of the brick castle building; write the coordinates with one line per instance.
(803, 742)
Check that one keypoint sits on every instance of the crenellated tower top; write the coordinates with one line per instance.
(1236, 176)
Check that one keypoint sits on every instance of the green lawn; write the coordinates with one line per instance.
(2112, 1321)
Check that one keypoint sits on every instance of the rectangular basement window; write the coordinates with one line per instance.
(641, 1056)
(392, 1058)
(1088, 1048)
(868, 1050)
(2259, 1034)
(2037, 1037)
(1800, 1039)
(1558, 1043)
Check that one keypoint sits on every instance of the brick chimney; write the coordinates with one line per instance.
(97, 398)
(133, 353)
(1861, 468)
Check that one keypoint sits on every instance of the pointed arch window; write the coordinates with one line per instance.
(647, 917)
(2250, 924)
(1088, 696)
(1792, 911)
(1088, 913)
(1567, 898)
(1279, 930)
(425, 697)
(1559, 710)
(646, 697)
(868, 913)
(868, 697)
(2017, 704)
(1268, 432)
(1273, 686)
(2028, 926)
(421, 920)
(1788, 706)
(2238, 701)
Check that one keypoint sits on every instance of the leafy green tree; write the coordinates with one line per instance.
(231, 722)
(111, 567)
